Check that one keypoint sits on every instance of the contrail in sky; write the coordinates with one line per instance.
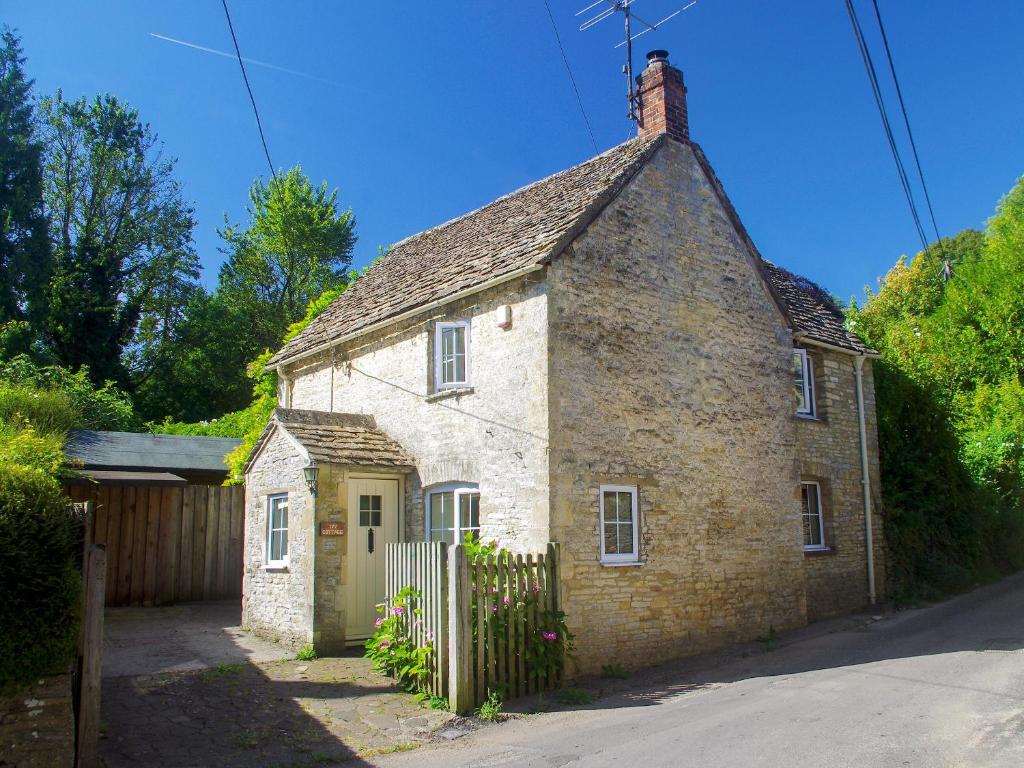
(227, 55)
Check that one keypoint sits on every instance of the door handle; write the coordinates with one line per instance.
(369, 540)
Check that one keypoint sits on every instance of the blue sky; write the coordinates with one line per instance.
(419, 112)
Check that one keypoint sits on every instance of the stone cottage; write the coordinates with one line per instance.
(601, 359)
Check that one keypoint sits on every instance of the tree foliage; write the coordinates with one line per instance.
(124, 266)
(296, 246)
(951, 404)
(24, 246)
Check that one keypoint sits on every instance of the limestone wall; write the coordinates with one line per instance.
(278, 602)
(671, 370)
(494, 433)
(828, 451)
(37, 725)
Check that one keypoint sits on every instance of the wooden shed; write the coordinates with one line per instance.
(173, 531)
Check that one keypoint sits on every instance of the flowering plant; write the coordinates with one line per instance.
(393, 648)
(549, 645)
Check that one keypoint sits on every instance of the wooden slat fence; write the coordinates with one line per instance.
(423, 566)
(495, 628)
(512, 598)
(168, 544)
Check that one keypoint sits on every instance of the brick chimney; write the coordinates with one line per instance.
(662, 98)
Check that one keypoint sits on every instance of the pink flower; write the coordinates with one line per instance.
(507, 600)
(430, 636)
(385, 643)
(379, 621)
(549, 635)
(397, 610)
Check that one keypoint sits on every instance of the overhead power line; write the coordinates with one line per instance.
(876, 91)
(245, 77)
(906, 119)
(568, 69)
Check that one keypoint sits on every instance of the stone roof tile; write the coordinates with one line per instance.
(514, 232)
(812, 310)
(336, 438)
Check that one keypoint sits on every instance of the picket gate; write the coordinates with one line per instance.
(423, 566)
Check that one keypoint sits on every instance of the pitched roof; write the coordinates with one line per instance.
(336, 438)
(517, 231)
(133, 450)
(812, 310)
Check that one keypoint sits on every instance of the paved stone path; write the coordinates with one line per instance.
(277, 713)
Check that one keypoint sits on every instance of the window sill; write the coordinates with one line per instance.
(275, 567)
(622, 563)
(818, 551)
(808, 417)
(444, 394)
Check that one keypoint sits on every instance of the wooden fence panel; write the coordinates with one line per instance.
(423, 566)
(168, 544)
(504, 607)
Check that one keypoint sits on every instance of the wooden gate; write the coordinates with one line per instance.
(168, 544)
(481, 616)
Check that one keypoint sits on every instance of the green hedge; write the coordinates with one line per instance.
(39, 579)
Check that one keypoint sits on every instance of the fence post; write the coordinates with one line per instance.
(92, 658)
(460, 636)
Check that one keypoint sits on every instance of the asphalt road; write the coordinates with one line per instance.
(938, 686)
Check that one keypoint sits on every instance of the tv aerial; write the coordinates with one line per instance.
(607, 9)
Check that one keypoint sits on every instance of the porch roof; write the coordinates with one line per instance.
(336, 438)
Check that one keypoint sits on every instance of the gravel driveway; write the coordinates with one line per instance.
(185, 687)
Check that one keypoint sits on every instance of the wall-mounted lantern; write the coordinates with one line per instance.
(311, 472)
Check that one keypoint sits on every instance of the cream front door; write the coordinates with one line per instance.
(372, 523)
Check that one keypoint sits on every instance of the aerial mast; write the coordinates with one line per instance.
(610, 8)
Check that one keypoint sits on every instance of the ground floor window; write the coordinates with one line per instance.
(452, 512)
(277, 529)
(814, 529)
(619, 524)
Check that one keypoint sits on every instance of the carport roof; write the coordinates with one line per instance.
(144, 451)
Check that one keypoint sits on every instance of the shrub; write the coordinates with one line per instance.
(47, 410)
(39, 579)
(103, 407)
(21, 444)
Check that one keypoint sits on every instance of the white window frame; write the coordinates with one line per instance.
(439, 329)
(459, 490)
(621, 557)
(807, 367)
(823, 546)
(283, 562)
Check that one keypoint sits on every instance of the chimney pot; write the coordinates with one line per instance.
(662, 97)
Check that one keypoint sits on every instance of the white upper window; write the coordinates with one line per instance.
(451, 355)
(277, 530)
(803, 382)
(814, 528)
(619, 524)
(452, 512)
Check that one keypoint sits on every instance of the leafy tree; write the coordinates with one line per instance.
(951, 404)
(124, 267)
(24, 246)
(202, 372)
(296, 246)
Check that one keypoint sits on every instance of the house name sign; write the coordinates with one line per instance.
(332, 528)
